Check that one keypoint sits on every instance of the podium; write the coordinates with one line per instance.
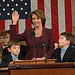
(29, 67)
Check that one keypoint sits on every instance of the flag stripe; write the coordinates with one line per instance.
(17, 27)
(61, 16)
(2, 25)
(41, 5)
(54, 13)
(41, 2)
(47, 6)
(68, 16)
(7, 23)
(28, 23)
(21, 25)
(34, 5)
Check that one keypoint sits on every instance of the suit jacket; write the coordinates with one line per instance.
(69, 55)
(23, 50)
(47, 36)
(5, 51)
(8, 58)
(0, 52)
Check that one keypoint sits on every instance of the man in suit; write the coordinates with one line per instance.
(66, 53)
(14, 49)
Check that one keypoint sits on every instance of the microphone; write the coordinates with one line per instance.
(33, 35)
(44, 44)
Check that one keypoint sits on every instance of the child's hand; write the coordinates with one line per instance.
(11, 62)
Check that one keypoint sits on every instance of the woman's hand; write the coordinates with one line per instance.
(15, 17)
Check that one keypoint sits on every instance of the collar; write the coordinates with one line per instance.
(14, 55)
(4, 46)
(64, 48)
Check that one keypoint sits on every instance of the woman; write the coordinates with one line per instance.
(37, 18)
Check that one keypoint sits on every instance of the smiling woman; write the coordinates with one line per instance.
(38, 19)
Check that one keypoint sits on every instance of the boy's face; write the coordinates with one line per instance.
(15, 49)
(63, 42)
(56, 45)
(3, 40)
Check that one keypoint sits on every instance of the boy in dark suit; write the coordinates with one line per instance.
(66, 53)
(4, 39)
(14, 49)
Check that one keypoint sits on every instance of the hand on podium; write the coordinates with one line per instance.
(43, 58)
(11, 63)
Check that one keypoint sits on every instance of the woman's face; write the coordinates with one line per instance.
(36, 20)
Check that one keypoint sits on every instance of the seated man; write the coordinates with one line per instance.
(66, 53)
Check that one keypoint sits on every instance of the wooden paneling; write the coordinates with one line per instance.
(73, 12)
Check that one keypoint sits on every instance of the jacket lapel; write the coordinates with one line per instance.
(67, 53)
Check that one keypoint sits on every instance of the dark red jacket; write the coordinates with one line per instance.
(47, 36)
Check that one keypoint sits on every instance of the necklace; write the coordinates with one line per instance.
(36, 33)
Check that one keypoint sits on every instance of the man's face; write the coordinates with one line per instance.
(3, 40)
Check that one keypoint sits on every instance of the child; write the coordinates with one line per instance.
(56, 45)
(14, 49)
(66, 53)
(4, 39)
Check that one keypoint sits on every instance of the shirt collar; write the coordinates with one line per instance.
(64, 48)
(14, 55)
(4, 46)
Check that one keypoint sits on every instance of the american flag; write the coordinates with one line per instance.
(58, 14)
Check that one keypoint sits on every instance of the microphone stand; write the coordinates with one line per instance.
(44, 44)
(33, 35)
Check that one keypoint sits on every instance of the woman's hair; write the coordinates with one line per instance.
(40, 14)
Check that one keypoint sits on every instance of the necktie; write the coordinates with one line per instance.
(15, 58)
(62, 53)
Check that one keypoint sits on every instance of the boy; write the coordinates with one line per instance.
(66, 53)
(4, 39)
(14, 49)
(56, 45)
